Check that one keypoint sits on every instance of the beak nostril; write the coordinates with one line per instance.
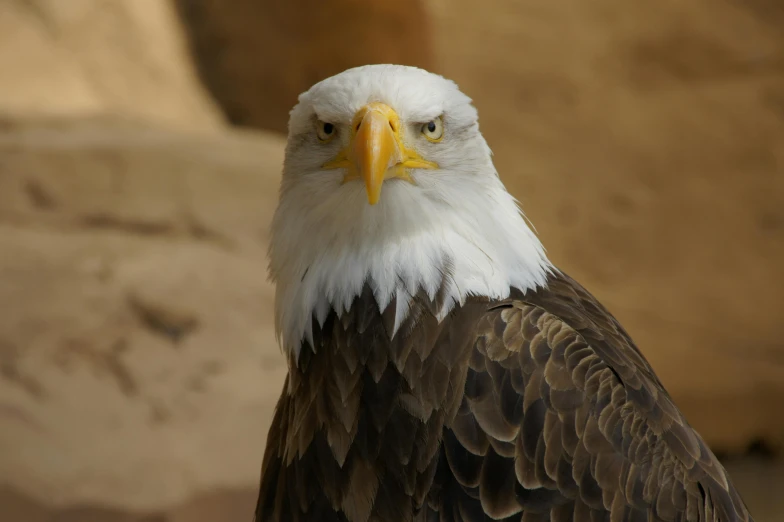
(358, 126)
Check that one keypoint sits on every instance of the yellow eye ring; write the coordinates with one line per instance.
(433, 130)
(325, 131)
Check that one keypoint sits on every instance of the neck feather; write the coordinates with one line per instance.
(411, 242)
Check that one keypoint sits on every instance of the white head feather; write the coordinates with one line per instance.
(328, 241)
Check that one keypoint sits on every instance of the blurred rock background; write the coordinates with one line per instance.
(140, 149)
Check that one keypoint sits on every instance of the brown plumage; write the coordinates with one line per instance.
(535, 408)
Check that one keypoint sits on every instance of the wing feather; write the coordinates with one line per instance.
(564, 420)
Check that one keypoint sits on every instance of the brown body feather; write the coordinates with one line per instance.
(535, 408)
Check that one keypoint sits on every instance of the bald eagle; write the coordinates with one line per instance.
(440, 367)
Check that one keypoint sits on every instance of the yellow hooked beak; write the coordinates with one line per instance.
(376, 152)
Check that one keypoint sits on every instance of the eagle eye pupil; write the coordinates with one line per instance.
(431, 126)
(328, 128)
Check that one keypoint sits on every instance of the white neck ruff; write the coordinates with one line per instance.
(321, 259)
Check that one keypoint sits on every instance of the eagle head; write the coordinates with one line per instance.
(388, 184)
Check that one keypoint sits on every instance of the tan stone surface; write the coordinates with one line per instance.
(257, 57)
(138, 364)
(85, 57)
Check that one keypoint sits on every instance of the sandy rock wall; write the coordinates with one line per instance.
(257, 57)
(93, 57)
(138, 365)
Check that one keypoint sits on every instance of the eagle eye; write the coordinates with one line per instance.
(433, 130)
(325, 131)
